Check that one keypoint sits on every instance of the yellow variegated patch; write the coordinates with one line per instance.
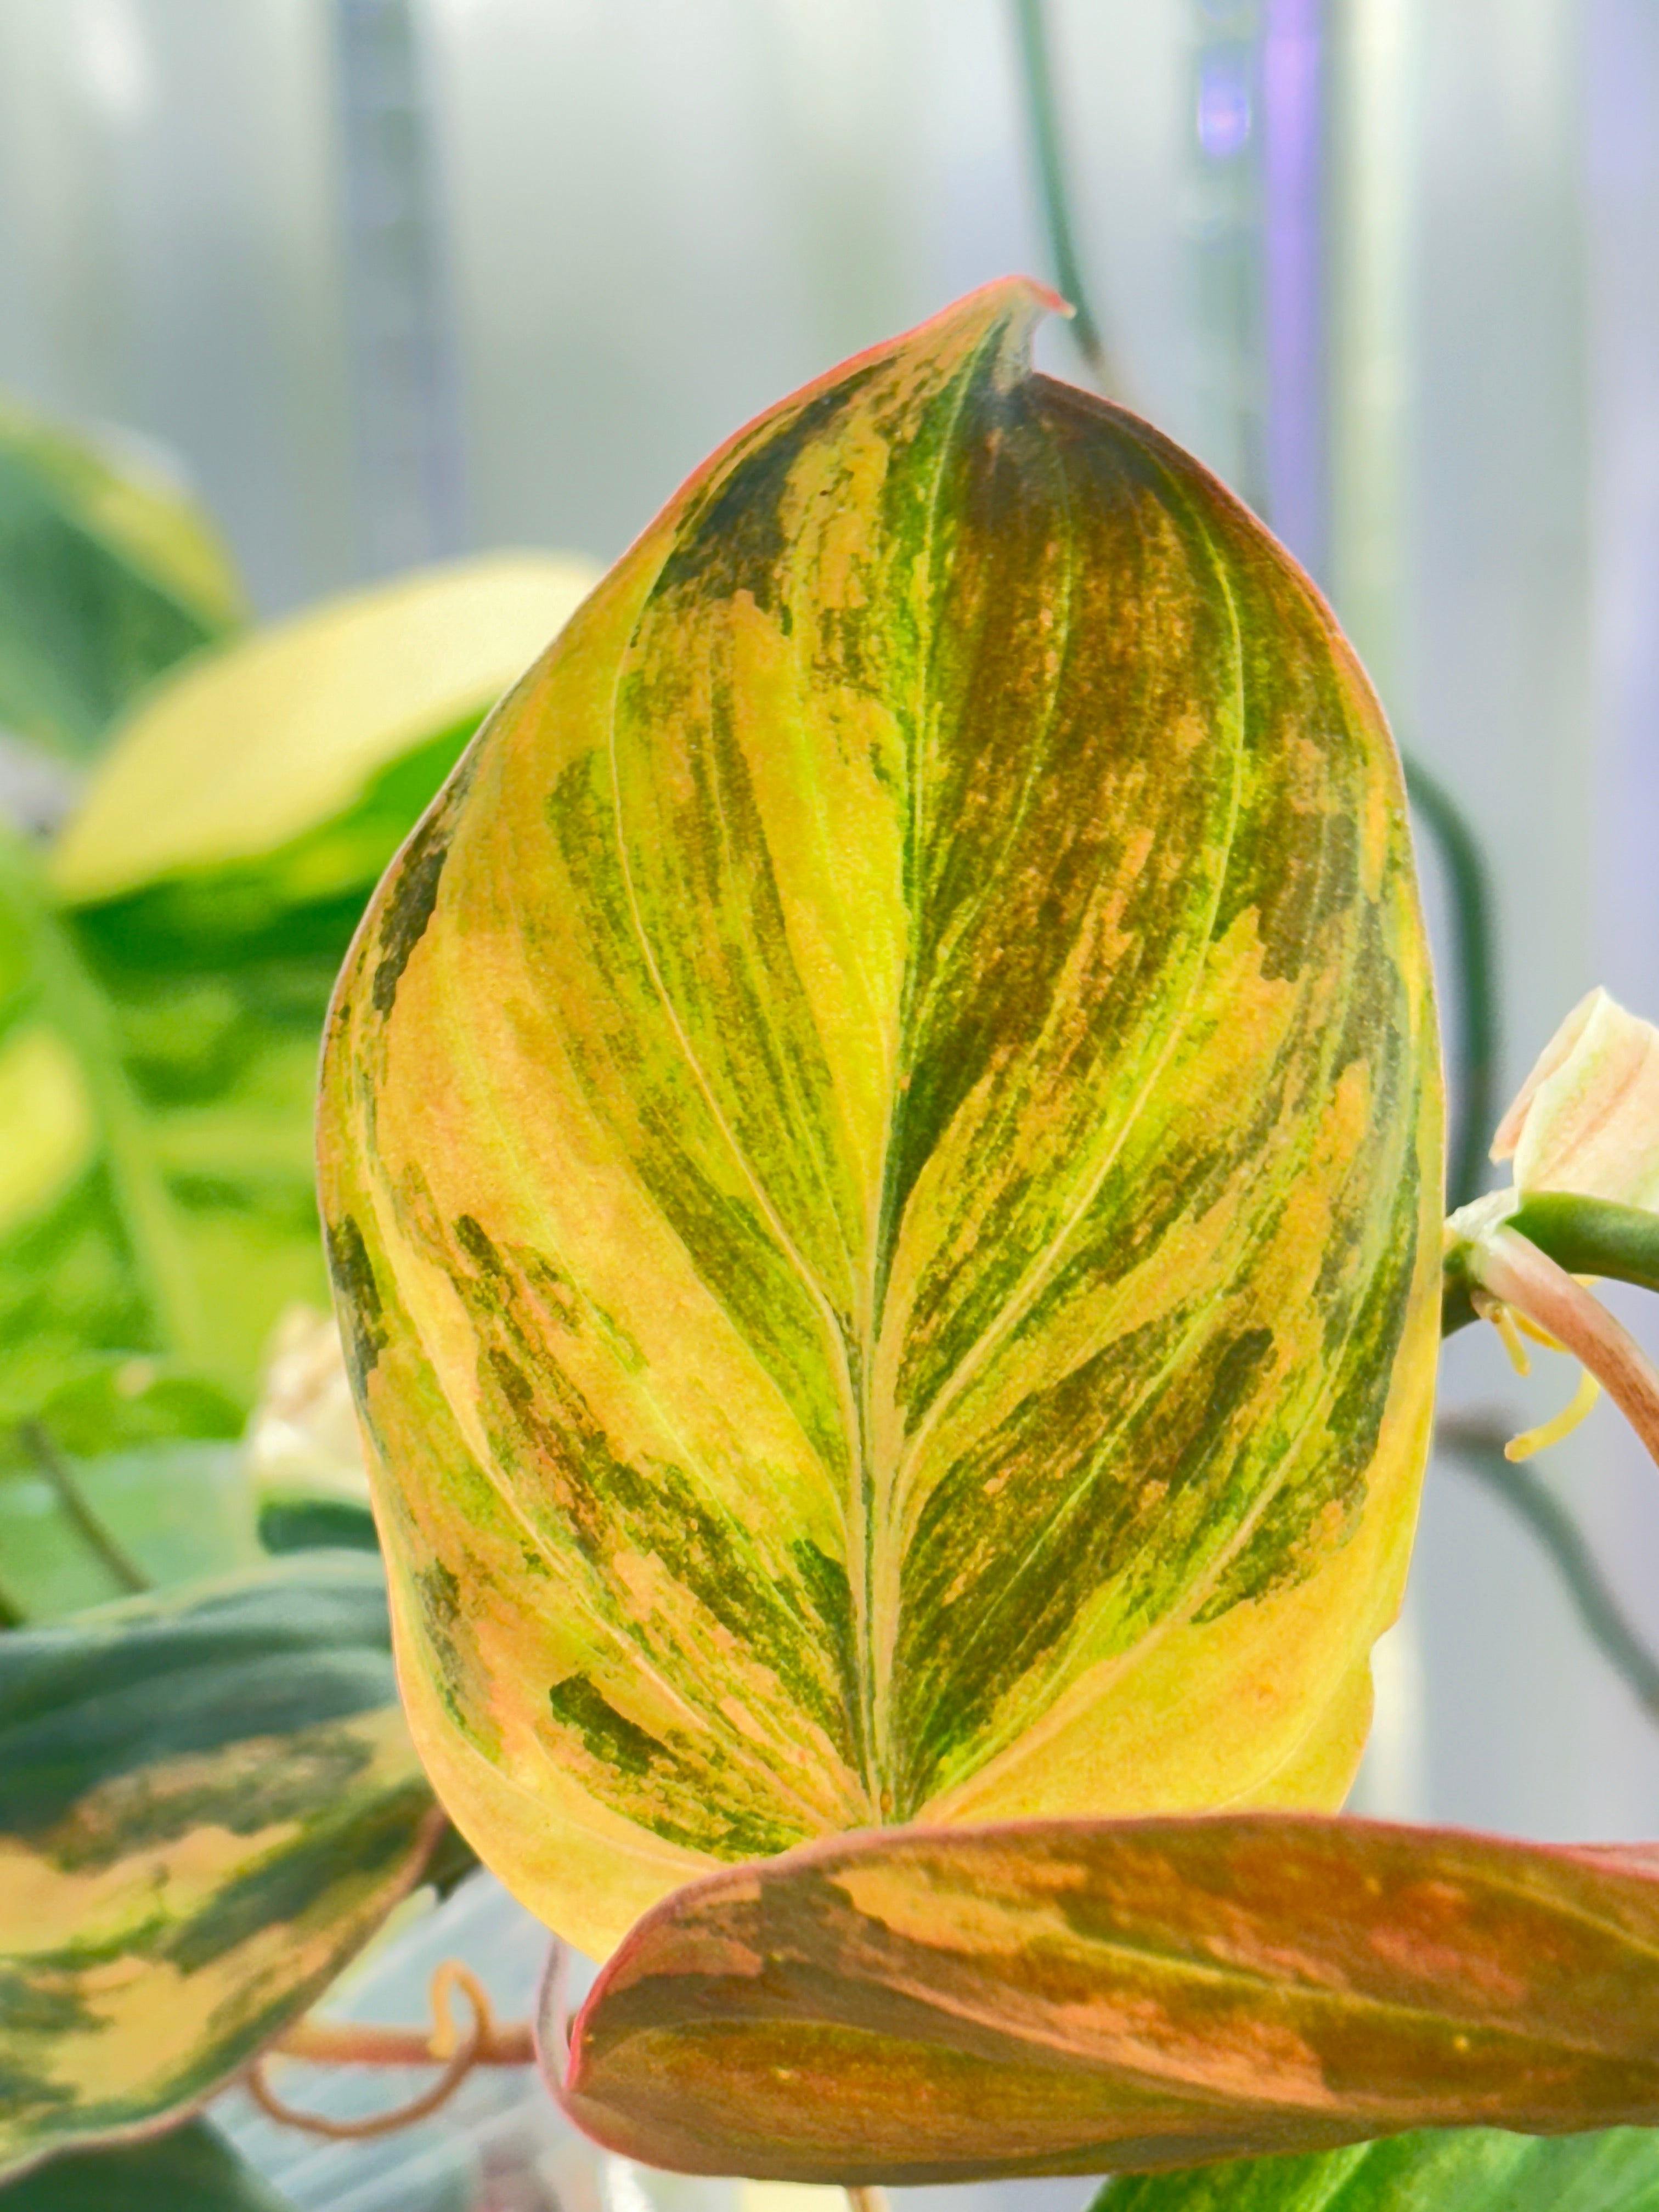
(209, 1801)
(881, 1150)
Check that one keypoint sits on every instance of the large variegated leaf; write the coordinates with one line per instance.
(108, 575)
(1074, 1997)
(881, 1153)
(1457, 2170)
(208, 1802)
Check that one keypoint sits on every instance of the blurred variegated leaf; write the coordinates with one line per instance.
(208, 1804)
(1461, 2170)
(191, 2168)
(259, 794)
(1075, 1997)
(217, 868)
(108, 575)
(882, 1152)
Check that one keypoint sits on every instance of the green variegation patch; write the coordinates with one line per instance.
(881, 1150)
(208, 1804)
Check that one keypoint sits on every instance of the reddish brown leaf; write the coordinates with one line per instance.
(923, 2005)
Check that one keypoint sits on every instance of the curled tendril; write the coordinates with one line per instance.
(484, 2044)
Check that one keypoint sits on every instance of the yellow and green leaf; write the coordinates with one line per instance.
(881, 1152)
(279, 775)
(208, 1804)
(109, 573)
(1081, 1996)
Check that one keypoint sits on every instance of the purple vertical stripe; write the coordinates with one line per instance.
(1293, 253)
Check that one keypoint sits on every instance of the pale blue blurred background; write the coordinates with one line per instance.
(396, 279)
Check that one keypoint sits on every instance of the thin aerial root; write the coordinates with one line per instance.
(378, 2123)
(1494, 1310)
(1551, 1431)
(346, 2043)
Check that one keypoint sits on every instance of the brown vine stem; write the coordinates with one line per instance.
(350, 2043)
(347, 2042)
(1511, 1269)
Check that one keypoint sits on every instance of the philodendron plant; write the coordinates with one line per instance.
(881, 1160)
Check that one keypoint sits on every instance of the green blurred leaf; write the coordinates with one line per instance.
(129, 1475)
(112, 1404)
(93, 1253)
(108, 575)
(208, 1804)
(313, 1524)
(192, 2168)
(224, 1067)
(176, 1513)
(1082, 1997)
(1465, 2169)
(217, 870)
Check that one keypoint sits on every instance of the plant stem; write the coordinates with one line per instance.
(350, 2043)
(1042, 120)
(44, 1452)
(1479, 1450)
(1474, 1047)
(1585, 1235)
(353, 2043)
(867, 2198)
